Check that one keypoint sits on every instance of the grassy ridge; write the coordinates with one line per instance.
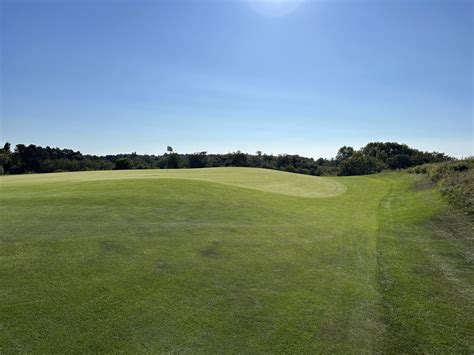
(258, 179)
(130, 263)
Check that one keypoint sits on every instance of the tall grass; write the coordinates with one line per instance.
(455, 180)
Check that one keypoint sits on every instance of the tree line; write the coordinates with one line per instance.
(373, 158)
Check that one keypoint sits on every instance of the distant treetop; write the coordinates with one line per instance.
(372, 158)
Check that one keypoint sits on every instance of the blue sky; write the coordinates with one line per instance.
(303, 78)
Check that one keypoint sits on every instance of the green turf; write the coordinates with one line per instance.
(258, 179)
(231, 260)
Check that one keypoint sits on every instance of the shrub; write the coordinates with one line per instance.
(455, 180)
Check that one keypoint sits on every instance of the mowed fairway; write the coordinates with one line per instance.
(232, 260)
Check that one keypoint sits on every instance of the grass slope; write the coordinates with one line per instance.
(231, 260)
(258, 179)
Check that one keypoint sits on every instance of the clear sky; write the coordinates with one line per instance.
(301, 77)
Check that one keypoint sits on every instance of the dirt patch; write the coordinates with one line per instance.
(160, 265)
(108, 246)
(212, 250)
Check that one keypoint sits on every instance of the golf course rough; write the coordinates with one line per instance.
(231, 260)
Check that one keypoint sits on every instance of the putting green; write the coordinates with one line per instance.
(258, 179)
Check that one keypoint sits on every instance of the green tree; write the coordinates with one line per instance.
(399, 161)
(173, 161)
(123, 164)
(5, 156)
(359, 164)
(198, 160)
(239, 159)
(344, 153)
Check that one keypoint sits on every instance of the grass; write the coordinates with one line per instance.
(455, 180)
(232, 260)
(257, 179)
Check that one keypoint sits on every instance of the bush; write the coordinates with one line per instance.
(455, 180)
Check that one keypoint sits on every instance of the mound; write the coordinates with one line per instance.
(259, 179)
